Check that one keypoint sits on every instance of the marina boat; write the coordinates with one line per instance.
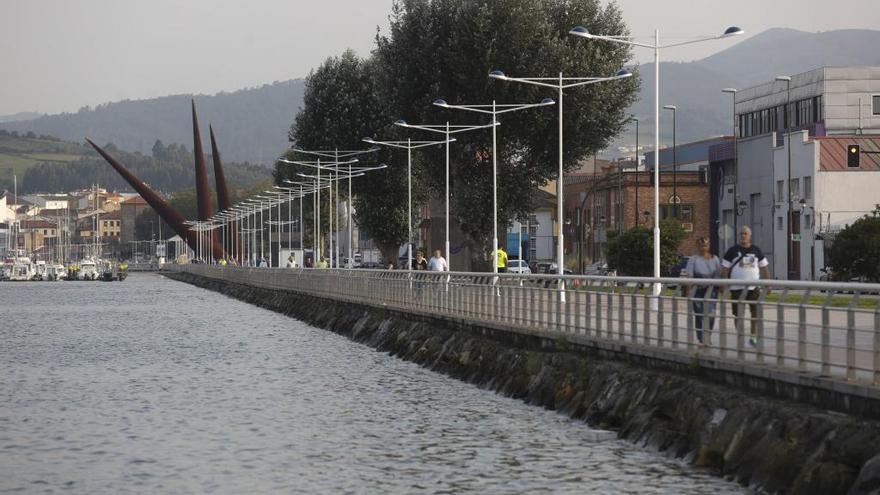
(40, 270)
(22, 270)
(56, 272)
(88, 270)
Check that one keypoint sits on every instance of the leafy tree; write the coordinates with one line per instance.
(632, 252)
(446, 48)
(855, 251)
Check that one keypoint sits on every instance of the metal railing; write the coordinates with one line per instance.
(826, 329)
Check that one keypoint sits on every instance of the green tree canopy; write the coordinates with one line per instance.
(855, 251)
(632, 252)
(445, 49)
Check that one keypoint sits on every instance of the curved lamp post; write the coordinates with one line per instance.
(656, 46)
(447, 130)
(560, 83)
(494, 110)
(408, 145)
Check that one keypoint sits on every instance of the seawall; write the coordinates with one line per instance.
(763, 442)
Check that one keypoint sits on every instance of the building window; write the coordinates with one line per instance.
(685, 212)
(795, 189)
(778, 223)
(876, 105)
(754, 207)
(808, 187)
(780, 191)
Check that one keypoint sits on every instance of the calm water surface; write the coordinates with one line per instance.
(154, 386)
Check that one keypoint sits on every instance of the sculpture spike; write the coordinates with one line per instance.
(171, 216)
(203, 190)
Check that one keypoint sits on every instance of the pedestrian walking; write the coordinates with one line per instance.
(745, 261)
(438, 263)
(291, 262)
(703, 265)
(500, 259)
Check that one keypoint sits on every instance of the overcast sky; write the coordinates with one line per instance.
(60, 55)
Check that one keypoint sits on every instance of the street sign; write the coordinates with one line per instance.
(796, 237)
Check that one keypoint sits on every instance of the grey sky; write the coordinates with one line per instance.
(59, 55)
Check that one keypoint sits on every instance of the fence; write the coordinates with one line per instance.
(825, 329)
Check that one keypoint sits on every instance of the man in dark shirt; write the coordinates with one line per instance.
(746, 262)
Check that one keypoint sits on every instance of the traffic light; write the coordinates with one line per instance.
(852, 156)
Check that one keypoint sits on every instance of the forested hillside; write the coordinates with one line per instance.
(47, 164)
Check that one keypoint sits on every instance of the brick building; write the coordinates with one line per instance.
(621, 198)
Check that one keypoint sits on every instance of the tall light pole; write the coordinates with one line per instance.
(656, 46)
(674, 109)
(338, 157)
(789, 214)
(409, 145)
(493, 109)
(344, 170)
(637, 171)
(561, 83)
(732, 93)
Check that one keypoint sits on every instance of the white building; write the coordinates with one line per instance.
(830, 109)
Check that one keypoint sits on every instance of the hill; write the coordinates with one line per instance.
(251, 124)
(48, 164)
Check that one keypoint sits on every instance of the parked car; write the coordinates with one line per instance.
(518, 266)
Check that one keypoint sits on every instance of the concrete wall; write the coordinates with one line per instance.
(756, 177)
(848, 92)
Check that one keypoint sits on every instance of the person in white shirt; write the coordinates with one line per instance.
(745, 261)
(437, 263)
(291, 263)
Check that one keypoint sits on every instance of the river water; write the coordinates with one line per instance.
(155, 386)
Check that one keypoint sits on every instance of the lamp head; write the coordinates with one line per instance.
(368, 140)
(783, 78)
(729, 90)
(732, 31)
(670, 107)
(497, 74)
(623, 73)
(440, 102)
(580, 31)
(401, 123)
(548, 101)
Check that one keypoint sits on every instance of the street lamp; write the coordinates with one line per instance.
(408, 145)
(636, 211)
(338, 155)
(559, 84)
(656, 46)
(494, 110)
(674, 162)
(788, 246)
(732, 93)
(447, 130)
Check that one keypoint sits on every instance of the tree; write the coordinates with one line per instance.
(855, 251)
(446, 48)
(632, 252)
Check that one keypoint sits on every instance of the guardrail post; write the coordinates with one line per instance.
(802, 335)
(633, 314)
(621, 311)
(660, 319)
(674, 323)
(851, 336)
(877, 344)
(825, 335)
(780, 328)
(646, 314)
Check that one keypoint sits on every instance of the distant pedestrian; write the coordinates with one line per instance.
(500, 259)
(309, 263)
(438, 263)
(704, 264)
(745, 261)
(420, 263)
(291, 262)
(263, 263)
(322, 263)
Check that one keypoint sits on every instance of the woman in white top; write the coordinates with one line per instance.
(704, 264)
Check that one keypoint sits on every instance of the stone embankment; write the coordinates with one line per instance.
(765, 443)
